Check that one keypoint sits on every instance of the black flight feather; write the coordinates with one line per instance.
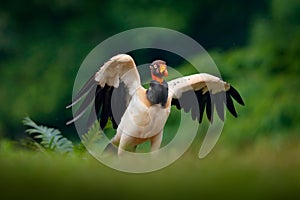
(201, 102)
(234, 93)
(230, 105)
(209, 108)
(218, 101)
(87, 87)
(106, 108)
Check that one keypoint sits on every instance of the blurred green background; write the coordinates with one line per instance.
(255, 44)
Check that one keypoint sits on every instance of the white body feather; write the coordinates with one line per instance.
(141, 121)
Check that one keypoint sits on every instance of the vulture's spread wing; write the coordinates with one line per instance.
(195, 92)
(109, 91)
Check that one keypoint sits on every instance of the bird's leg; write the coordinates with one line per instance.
(134, 148)
(112, 147)
(116, 139)
(156, 141)
(125, 142)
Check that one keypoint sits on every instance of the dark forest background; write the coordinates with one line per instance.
(256, 45)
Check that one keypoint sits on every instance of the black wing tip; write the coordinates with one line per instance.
(242, 103)
(221, 117)
(88, 86)
(235, 115)
(206, 104)
(235, 94)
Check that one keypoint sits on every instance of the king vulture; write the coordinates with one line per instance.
(140, 114)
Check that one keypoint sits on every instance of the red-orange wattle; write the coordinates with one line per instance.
(166, 73)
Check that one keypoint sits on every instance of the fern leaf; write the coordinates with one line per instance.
(94, 140)
(50, 138)
(93, 136)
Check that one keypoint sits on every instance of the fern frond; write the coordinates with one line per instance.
(93, 136)
(94, 140)
(31, 144)
(50, 138)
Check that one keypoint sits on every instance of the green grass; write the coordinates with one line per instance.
(260, 171)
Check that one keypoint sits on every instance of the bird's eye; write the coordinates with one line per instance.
(155, 66)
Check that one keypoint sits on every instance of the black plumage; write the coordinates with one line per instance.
(208, 102)
(103, 99)
(158, 92)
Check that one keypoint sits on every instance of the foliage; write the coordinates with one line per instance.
(41, 52)
(93, 135)
(259, 172)
(93, 139)
(32, 144)
(51, 138)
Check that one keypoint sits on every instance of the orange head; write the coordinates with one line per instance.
(158, 70)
